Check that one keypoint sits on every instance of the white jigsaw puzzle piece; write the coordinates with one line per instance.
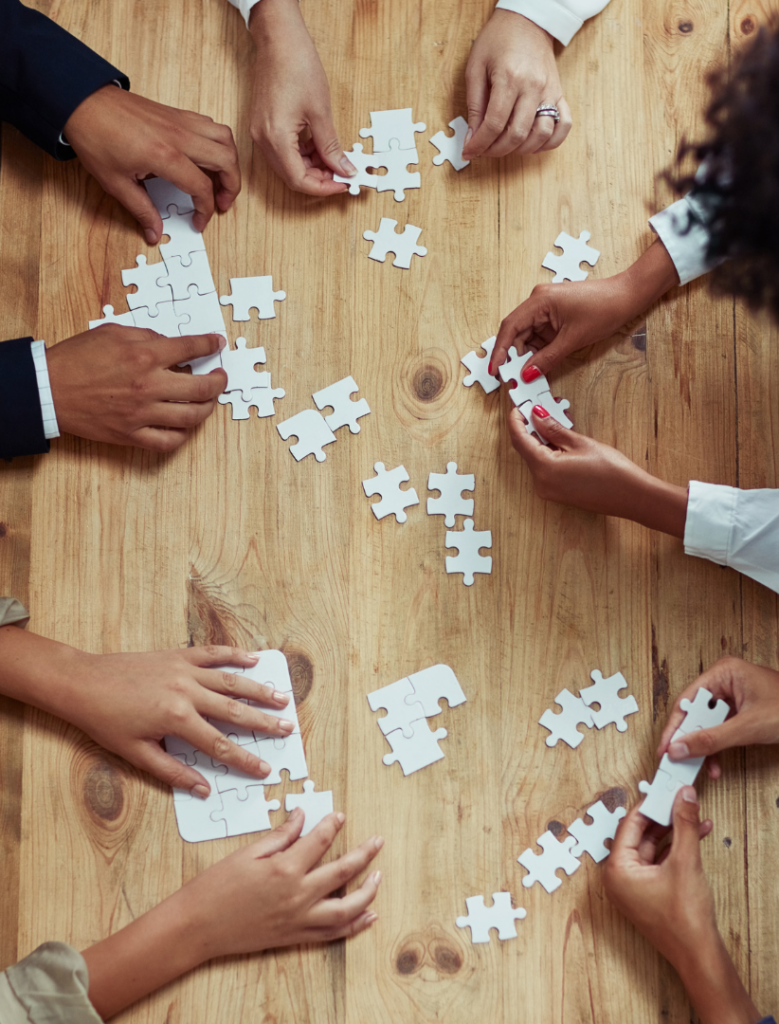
(451, 503)
(248, 814)
(287, 754)
(592, 838)
(193, 814)
(605, 692)
(555, 407)
(165, 194)
(393, 499)
(433, 684)
(109, 317)
(392, 125)
(145, 277)
(316, 806)
(362, 161)
(179, 277)
(311, 431)
(184, 240)
(699, 714)
(480, 368)
(500, 915)
(248, 293)
(261, 399)
(204, 314)
(402, 244)
(563, 725)
(511, 370)
(575, 251)
(398, 177)
(345, 411)
(418, 751)
(451, 146)
(239, 364)
(542, 868)
(468, 561)
(400, 714)
(659, 797)
(169, 321)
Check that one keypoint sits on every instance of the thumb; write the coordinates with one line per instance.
(686, 843)
(137, 201)
(549, 357)
(548, 427)
(328, 146)
(703, 742)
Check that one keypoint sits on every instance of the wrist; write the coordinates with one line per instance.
(656, 504)
(513, 21)
(652, 275)
(268, 17)
(713, 984)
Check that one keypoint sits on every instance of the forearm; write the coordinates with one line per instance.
(714, 986)
(156, 949)
(657, 505)
(269, 19)
(34, 669)
(652, 275)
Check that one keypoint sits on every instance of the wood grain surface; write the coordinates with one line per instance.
(231, 540)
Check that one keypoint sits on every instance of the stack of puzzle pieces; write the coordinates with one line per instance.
(237, 803)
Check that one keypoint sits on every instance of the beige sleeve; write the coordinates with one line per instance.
(13, 613)
(50, 986)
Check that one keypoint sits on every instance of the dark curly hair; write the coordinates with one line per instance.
(739, 184)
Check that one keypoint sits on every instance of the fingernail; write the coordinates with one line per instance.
(678, 751)
(540, 411)
(489, 370)
(377, 877)
(468, 137)
(264, 767)
(200, 790)
(371, 918)
(379, 842)
(279, 696)
(251, 657)
(530, 373)
(223, 345)
(151, 236)
(689, 795)
(340, 817)
(286, 725)
(347, 166)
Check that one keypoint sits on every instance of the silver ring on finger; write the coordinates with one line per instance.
(548, 110)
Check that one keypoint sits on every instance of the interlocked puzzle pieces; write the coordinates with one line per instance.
(576, 711)
(501, 915)
(249, 293)
(672, 775)
(164, 194)
(591, 838)
(261, 399)
(451, 502)
(396, 179)
(345, 411)
(246, 387)
(408, 703)
(451, 146)
(184, 238)
(468, 543)
(526, 395)
(362, 161)
(387, 239)
(480, 368)
(149, 293)
(542, 868)
(315, 805)
(393, 499)
(220, 814)
(388, 126)
(575, 251)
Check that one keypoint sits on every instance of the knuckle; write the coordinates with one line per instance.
(221, 749)
(236, 710)
(494, 124)
(212, 651)
(229, 682)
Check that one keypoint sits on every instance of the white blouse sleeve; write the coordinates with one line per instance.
(560, 18)
(244, 6)
(50, 986)
(736, 528)
(681, 228)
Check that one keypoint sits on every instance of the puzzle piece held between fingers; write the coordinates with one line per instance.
(468, 560)
(239, 364)
(184, 239)
(659, 797)
(451, 503)
(248, 293)
(542, 868)
(345, 411)
(402, 244)
(554, 406)
(418, 751)
(501, 915)
(575, 251)
(605, 692)
(388, 126)
(511, 370)
(164, 194)
(393, 500)
(563, 726)
(311, 431)
(592, 838)
(398, 177)
(480, 368)
(451, 146)
(316, 806)
(362, 161)
(699, 713)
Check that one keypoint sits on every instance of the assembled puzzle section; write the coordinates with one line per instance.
(338, 398)
(501, 915)
(592, 838)
(575, 251)
(312, 434)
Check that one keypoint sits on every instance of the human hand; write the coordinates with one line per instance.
(116, 384)
(122, 138)
(128, 702)
(510, 73)
(577, 470)
(753, 694)
(291, 119)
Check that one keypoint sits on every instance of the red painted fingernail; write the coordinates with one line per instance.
(530, 373)
(540, 411)
(489, 370)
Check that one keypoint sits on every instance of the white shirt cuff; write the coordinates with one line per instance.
(50, 427)
(245, 7)
(683, 233)
(710, 510)
(560, 18)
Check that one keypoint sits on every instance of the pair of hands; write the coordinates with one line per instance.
(511, 72)
(662, 889)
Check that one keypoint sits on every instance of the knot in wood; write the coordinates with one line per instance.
(747, 26)
(447, 960)
(555, 827)
(407, 961)
(3, 530)
(614, 798)
(301, 672)
(685, 27)
(103, 793)
(428, 382)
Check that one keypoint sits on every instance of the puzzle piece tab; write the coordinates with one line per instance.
(501, 915)
(164, 194)
(699, 713)
(451, 146)
(480, 368)
(418, 751)
(451, 503)
(184, 239)
(542, 868)
(248, 293)
(563, 726)
(311, 431)
(387, 239)
(393, 499)
(345, 411)
(315, 805)
(591, 838)
(511, 371)
(109, 317)
(575, 251)
(468, 543)
(398, 177)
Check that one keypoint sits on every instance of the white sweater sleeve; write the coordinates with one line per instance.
(560, 18)
(736, 528)
(244, 6)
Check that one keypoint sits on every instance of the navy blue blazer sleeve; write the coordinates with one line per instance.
(45, 73)
(21, 419)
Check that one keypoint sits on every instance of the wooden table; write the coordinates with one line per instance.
(230, 540)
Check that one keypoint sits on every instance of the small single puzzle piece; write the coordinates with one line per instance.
(362, 161)
(659, 797)
(400, 714)
(283, 755)
(248, 293)
(203, 312)
(315, 805)
(451, 503)
(554, 406)
(345, 411)
(468, 543)
(393, 499)
(164, 194)
(387, 239)
(480, 368)
(500, 915)
(392, 125)
(398, 177)
(109, 317)
(261, 399)
(417, 751)
(245, 815)
(563, 726)
(542, 868)
(431, 685)
(311, 431)
(149, 293)
(168, 321)
(511, 370)
(700, 714)
(179, 278)
(575, 251)
(592, 838)
(451, 146)
(184, 239)
(239, 364)
(605, 692)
